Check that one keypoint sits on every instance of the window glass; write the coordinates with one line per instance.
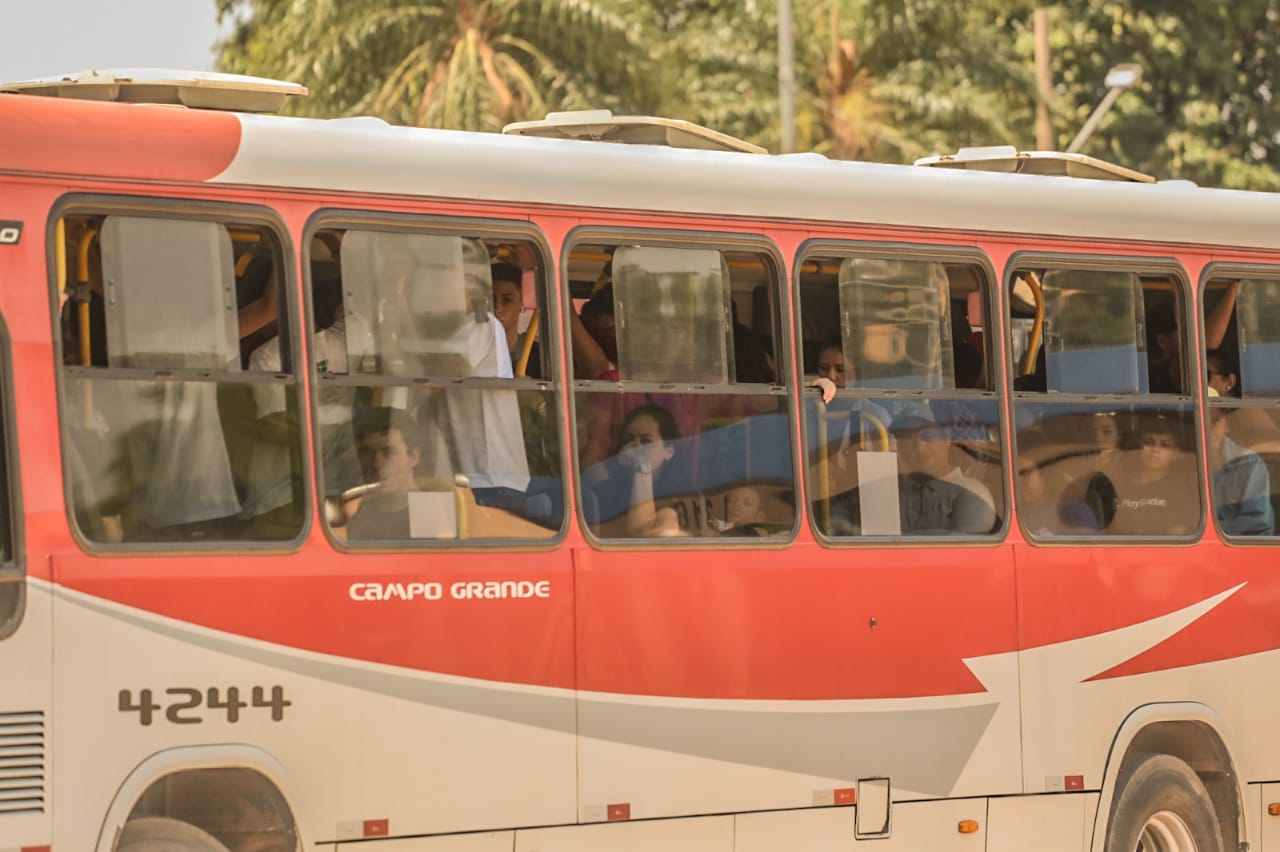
(672, 309)
(425, 432)
(1101, 447)
(895, 321)
(1244, 407)
(910, 443)
(167, 437)
(1259, 338)
(682, 427)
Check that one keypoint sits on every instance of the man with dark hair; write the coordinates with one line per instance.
(390, 441)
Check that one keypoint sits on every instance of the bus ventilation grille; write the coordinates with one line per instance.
(21, 763)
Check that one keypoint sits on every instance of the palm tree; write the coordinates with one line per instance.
(466, 64)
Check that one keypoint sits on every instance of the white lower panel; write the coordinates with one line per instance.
(917, 827)
(1269, 836)
(703, 834)
(813, 830)
(1061, 823)
(493, 841)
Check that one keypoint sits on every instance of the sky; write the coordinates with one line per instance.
(41, 38)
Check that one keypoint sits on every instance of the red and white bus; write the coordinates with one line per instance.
(305, 548)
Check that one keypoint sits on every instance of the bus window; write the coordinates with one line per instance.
(1241, 316)
(1106, 444)
(682, 423)
(425, 432)
(910, 444)
(163, 438)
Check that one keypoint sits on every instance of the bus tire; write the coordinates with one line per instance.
(161, 834)
(1163, 807)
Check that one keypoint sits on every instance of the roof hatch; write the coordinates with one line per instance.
(201, 89)
(1006, 158)
(601, 125)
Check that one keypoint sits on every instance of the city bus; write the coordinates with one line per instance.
(609, 484)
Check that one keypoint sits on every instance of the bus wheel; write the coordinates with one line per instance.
(1163, 807)
(161, 834)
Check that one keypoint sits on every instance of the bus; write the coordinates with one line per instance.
(608, 484)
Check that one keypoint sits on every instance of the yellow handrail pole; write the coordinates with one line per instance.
(1037, 327)
(529, 336)
(882, 431)
(82, 309)
(824, 473)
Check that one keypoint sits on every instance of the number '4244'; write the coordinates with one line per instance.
(184, 705)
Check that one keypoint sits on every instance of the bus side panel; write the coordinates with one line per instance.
(748, 680)
(1107, 630)
(385, 707)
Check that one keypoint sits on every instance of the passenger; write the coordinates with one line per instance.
(594, 337)
(1040, 512)
(1154, 493)
(1223, 373)
(1217, 320)
(272, 492)
(744, 514)
(1241, 484)
(935, 497)
(392, 445)
(1165, 367)
(508, 305)
(864, 416)
(644, 482)
(752, 363)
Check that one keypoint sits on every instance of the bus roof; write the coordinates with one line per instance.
(366, 155)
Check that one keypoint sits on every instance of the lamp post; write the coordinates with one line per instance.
(1119, 79)
(786, 78)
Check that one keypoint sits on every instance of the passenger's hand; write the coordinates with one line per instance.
(826, 386)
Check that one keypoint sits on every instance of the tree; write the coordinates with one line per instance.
(1206, 108)
(876, 79)
(466, 64)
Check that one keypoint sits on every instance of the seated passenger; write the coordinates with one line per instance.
(508, 304)
(1241, 485)
(935, 497)
(1155, 490)
(642, 491)
(1165, 356)
(392, 445)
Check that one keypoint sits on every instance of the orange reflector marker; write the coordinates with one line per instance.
(1274, 808)
(968, 826)
(377, 828)
(619, 811)
(845, 795)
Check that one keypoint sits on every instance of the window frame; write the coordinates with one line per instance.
(512, 230)
(763, 245)
(1213, 271)
(841, 249)
(188, 209)
(14, 569)
(1171, 267)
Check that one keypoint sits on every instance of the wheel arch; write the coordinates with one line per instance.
(1191, 732)
(186, 761)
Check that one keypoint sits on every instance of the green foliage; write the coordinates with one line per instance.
(886, 80)
(469, 64)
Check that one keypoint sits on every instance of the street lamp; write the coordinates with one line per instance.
(1119, 79)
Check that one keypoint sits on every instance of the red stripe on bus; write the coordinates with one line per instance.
(137, 141)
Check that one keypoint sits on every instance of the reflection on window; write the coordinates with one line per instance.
(420, 440)
(1091, 469)
(883, 459)
(168, 438)
(690, 465)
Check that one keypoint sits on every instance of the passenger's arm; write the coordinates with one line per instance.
(1217, 320)
(589, 359)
